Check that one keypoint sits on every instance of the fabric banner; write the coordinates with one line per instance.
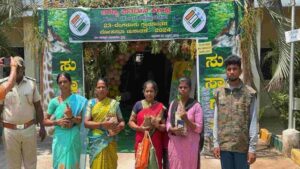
(223, 40)
(59, 54)
(139, 23)
(212, 76)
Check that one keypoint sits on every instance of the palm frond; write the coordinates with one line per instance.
(10, 10)
(281, 24)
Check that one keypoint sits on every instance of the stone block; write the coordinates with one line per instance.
(295, 155)
(290, 140)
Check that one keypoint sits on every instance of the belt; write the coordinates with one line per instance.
(19, 126)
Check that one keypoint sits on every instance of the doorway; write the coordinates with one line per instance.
(145, 66)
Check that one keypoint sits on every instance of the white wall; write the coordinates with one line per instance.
(31, 62)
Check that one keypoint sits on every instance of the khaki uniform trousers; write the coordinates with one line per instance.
(20, 146)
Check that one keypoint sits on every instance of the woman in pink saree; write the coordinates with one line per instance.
(147, 114)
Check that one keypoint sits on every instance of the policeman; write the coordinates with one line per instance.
(21, 110)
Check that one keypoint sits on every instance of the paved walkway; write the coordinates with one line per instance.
(267, 159)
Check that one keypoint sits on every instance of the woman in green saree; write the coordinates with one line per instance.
(104, 118)
(65, 113)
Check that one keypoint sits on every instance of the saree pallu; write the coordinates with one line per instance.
(102, 148)
(156, 137)
(66, 145)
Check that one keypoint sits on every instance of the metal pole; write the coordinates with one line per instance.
(291, 85)
(198, 71)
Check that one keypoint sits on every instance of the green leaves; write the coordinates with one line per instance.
(156, 47)
(173, 48)
(282, 49)
(108, 50)
(123, 47)
(118, 98)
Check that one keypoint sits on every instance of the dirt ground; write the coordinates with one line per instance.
(267, 158)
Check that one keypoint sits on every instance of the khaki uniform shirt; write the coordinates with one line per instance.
(18, 103)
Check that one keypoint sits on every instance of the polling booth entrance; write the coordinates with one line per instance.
(130, 45)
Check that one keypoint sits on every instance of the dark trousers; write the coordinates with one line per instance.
(234, 160)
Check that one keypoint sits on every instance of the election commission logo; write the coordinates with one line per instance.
(79, 23)
(194, 19)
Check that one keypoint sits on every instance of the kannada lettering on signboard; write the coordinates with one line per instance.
(204, 48)
(213, 83)
(139, 23)
(69, 66)
(214, 61)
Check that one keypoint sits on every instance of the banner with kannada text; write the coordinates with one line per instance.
(139, 23)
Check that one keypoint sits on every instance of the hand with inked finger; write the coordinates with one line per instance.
(66, 122)
(68, 112)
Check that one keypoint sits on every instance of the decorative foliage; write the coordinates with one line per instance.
(173, 48)
(107, 50)
(123, 47)
(109, 3)
(185, 47)
(104, 60)
(156, 47)
(114, 73)
(108, 59)
(193, 50)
